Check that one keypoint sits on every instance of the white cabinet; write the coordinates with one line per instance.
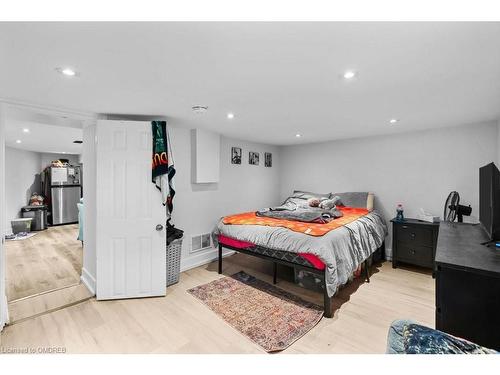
(206, 156)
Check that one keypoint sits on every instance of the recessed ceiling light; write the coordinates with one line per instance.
(26, 130)
(18, 141)
(230, 116)
(298, 135)
(350, 74)
(393, 120)
(67, 72)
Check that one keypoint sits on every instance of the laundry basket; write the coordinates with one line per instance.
(174, 261)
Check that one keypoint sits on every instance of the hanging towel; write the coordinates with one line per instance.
(163, 164)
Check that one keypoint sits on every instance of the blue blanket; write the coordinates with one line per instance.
(408, 337)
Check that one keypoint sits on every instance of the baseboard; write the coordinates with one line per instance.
(89, 281)
(388, 254)
(202, 259)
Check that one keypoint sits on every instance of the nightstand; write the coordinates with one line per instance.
(414, 242)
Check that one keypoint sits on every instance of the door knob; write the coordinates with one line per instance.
(159, 227)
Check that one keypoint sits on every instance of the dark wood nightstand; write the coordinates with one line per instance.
(414, 242)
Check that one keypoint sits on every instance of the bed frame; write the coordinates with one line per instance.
(328, 313)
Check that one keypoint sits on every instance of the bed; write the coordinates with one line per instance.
(331, 251)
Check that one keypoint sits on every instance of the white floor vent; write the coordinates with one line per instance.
(200, 242)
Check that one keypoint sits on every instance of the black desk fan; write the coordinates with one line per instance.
(453, 209)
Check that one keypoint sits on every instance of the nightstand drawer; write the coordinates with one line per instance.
(413, 234)
(415, 254)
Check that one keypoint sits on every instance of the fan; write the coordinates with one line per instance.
(453, 209)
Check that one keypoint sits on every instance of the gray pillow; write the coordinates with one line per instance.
(309, 194)
(353, 199)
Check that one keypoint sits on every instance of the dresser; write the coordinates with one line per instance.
(414, 242)
(468, 284)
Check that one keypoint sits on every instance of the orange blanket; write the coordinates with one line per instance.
(313, 229)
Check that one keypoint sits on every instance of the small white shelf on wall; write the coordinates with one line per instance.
(206, 156)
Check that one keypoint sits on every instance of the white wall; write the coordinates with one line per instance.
(197, 207)
(417, 169)
(497, 162)
(46, 158)
(22, 169)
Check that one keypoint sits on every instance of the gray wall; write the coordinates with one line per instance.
(22, 170)
(417, 169)
(197, 207)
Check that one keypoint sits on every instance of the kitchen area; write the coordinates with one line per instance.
(44, 204)
(60, 187)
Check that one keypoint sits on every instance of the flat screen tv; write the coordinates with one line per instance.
(489, 200)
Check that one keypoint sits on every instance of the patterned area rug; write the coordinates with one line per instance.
(267, 315)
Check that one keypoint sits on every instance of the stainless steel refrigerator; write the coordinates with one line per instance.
(65, 193)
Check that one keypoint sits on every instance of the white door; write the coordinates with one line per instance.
(131, 233)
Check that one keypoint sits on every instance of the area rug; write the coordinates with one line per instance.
(20, 237)
(269, 316)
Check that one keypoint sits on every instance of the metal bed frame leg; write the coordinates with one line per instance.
(327, 301)
(382, 249)
(220, 259)
(367, 271)
(275, 272)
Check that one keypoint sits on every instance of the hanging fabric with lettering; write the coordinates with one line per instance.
(163, 164)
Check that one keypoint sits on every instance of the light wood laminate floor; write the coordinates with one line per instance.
(179, 323)
(49, 260)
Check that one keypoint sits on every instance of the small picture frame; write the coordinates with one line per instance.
(253, 158)
(235, 155)
(268, 159)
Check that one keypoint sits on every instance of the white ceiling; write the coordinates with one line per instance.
(43, 137)
(277, 78)
(48, 131)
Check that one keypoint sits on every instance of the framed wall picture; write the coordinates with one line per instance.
(235, 155)
(253, 158)
(268, 159)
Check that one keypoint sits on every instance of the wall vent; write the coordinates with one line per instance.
(200, 242)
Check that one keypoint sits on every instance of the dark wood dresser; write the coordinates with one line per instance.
(468, 284)
(414, 242)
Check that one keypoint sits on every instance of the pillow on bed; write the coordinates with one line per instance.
(308, 194)
(353, 199)
(300, 198)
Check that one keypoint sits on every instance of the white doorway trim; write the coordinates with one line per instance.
(6, 104)
(4, 312)
(47, 110)
(89, 268)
